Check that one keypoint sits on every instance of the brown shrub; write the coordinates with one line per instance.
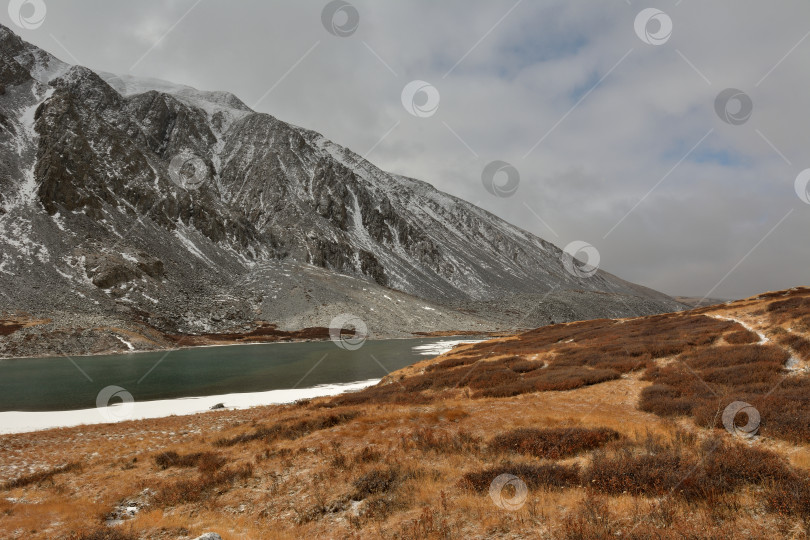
(591, 519)
(714, 469)
(337, 459)
(665, 400)
(741, 337)
(525, 366)
(432, 523)
(452, 362)
(786, 411)
(290, 430)
(742, 375)
(367, 455)
(791, 305)
(377, 481)
(622, 357)
(649, 474)
(790, 497)
(379, 507)
(507, 390)
(390, 393)
(380, 489)
(798, 344)
(187, 491)
(791, 309)
(496, 375)
(735, 355)
(549, 476)
(206, 461)
(432, 440)
(553, 443)
(707, 380)
(41, 476)
(571, 378)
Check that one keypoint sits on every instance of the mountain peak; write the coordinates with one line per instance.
(130, 85)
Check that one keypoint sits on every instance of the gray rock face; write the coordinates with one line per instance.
(143, 202)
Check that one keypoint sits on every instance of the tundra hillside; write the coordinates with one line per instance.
(609, 428)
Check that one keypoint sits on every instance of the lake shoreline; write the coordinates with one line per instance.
(421, 335)
(236, 397)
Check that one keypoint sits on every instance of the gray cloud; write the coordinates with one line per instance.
(513, 88)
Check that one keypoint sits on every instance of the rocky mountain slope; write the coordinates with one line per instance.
(130, 205)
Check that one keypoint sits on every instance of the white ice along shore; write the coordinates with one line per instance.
(441, 347)
(26, 421)
(23, 422)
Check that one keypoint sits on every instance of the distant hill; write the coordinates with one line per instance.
(697, 301)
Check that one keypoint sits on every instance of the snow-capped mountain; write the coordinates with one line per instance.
(129, 201)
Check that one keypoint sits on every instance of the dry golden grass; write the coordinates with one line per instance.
(395, 468)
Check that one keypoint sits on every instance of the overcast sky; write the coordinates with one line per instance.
(612, 126)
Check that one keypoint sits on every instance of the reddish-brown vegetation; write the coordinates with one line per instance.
(186, 491)
(416, 456)
(793, 308)
(700, 376)
(41, 476)
(791, 496)
(706, 381)
(800, 345)
(741, 337)
(704, 471)
(554, 443)
(290, 430)
(432, 440)
(205, 461)
(545, 476)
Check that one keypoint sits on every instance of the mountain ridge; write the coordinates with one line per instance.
(141, 202)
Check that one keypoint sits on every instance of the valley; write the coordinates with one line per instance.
(606, 427)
